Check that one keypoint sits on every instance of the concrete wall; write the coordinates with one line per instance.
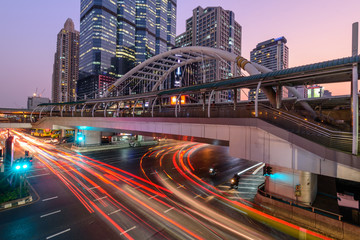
(251, 139)
(328, 226)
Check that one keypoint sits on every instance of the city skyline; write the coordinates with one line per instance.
(314, 34)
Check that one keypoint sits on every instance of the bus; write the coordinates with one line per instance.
(38, 132)
(45, 132)
(69, 133)
(56, 133)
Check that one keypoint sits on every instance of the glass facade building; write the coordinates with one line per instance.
(66, 64)
(117, 35)
(212, 27)
(98, 28)
(273, 54)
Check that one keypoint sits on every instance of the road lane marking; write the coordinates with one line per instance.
(152, 173)
(258, 169)
(114, 212)
(197, 196)
(153, 196)
(94, 187)
(180, 186)
(100, 198)
(38, 175)
(168, 210)
(51, 198)
(48, 214)
(128, 230)
(56, 234)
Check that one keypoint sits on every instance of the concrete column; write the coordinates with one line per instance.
(62, 133)
(91, 137)
(270, 94)
(285, 182)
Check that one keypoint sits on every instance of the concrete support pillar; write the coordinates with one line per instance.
(270, 94)
(62, 134)
(299, 186)
(91, 137)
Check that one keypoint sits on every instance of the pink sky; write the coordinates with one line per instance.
(316, 30)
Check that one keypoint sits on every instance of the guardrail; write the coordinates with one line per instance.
(291, 202)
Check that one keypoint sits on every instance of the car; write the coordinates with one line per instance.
(48, 140)
(68, 139)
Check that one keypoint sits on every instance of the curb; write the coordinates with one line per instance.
(16, 203)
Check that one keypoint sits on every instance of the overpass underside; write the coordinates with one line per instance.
(248, 138)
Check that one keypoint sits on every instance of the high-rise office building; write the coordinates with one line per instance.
(117, 35)
(212, 27)
(66, 64)
(273, 54)
(35, 100)
(94, 85)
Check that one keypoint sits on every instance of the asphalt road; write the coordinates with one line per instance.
(161, 192)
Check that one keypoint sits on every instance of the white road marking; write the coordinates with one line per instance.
(100, 198)
(245, 170)
(56, 234)
(38, 175)
(114, 212)
(94, 187)
(153, 196)
(258, 169)
(48, 214)
(51, 198)
(128, 230)
(168, 210)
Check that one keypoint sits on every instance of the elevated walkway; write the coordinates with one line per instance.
(277, 139)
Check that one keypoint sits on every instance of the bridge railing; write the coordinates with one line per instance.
(308, 129)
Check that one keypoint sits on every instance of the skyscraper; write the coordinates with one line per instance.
(212, 27)
(273, 54)
(117, 35)
(66, 64)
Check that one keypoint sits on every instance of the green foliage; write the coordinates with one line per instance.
(9, 193)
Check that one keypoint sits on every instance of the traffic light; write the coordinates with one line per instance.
(22, 164)
(80, 138)
(298, 190)
(267, 171)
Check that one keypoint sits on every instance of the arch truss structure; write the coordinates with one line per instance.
(151, 74)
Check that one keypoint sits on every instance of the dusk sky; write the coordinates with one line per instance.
(316, 30)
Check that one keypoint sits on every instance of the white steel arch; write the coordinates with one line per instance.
(154, 71)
